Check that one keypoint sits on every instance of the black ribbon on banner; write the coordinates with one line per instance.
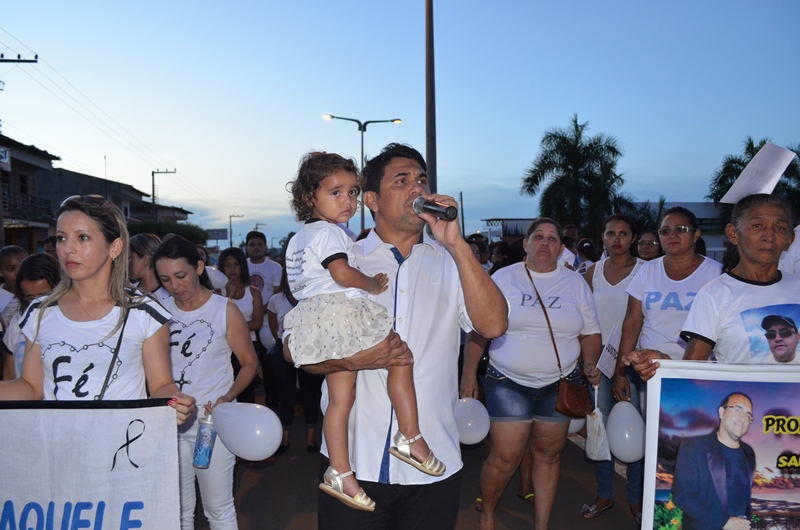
(127, 444)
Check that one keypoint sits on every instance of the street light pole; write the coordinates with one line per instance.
(230, 227)
(362, 127)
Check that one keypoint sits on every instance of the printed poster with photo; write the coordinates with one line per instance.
(683, 403)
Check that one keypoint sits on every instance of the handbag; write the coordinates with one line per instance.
(573, 398)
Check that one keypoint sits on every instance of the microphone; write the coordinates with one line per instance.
(436, 209)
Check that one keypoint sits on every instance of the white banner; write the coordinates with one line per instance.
(105, 465)
(683, 403)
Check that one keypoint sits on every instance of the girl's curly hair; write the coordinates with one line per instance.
(314, 167)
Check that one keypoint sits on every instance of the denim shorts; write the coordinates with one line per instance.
(510, 401)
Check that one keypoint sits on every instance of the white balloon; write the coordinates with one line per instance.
(249, 431)
(472, 420)
(625, 431)
(576, 424)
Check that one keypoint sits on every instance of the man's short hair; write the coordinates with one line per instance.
(255, 234)
(729, 396)
(372, 174)
(772, 320)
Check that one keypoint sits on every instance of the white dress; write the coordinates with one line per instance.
(330, 321)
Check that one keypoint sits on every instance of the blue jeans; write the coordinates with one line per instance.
(507, 400)
(604, 469)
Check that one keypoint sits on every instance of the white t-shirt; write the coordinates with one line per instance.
(159, 294)
(10, 306)
(201, 356)
(790, 260)
(76, 355)
(279, 305)
(525, 352)
(665, 303)
(728, 312)
(427, 302)
(611, 299)
(265, 276)
(308, 255)
(14, 341)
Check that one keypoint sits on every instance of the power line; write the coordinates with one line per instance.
(126, 142)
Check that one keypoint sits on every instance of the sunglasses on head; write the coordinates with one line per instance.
(95, 200)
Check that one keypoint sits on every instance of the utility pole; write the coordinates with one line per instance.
(19, 59)
(3, 59)
(230, 226)
(153, 176)
(259, 224)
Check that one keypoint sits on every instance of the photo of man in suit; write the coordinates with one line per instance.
(714, 472)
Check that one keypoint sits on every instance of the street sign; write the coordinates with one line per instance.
(217, 233)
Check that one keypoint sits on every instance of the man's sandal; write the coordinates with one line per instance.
(402, 450)
(334, 487)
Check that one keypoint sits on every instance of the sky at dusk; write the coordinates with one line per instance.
(231, 95)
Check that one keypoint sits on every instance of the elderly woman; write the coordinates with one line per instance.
(740, 315)
(523, 374)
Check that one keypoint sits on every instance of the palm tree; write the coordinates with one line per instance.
(733, 165)
(647, 215)
(576, 174)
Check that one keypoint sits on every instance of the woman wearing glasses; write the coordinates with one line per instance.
(648, 246)
(101, 323)
(741, 315)
(661, 294)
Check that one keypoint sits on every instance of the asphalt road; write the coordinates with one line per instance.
(282, 495)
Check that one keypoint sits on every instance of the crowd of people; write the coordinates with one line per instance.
(368, 332)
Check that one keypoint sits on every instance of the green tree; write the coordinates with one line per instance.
(733, 165)
(576, 174)
(647, 216)
(190, 231)
(278, 253)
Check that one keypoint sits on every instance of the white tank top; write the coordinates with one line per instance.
(611, 300)
(245, 305)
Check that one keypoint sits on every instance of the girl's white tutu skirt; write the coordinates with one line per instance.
(334, 326)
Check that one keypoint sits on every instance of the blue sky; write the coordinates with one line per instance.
(231, 95)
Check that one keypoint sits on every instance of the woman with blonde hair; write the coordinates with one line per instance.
(118, 344)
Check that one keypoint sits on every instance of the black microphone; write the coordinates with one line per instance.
(436, 209)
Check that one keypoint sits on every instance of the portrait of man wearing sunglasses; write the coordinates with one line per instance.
(782, 337)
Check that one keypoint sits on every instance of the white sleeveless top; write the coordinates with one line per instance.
(201, 356)
(611, 300)
(245, 305)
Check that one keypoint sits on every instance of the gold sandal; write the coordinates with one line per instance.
(334, 487)
(402, 450)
